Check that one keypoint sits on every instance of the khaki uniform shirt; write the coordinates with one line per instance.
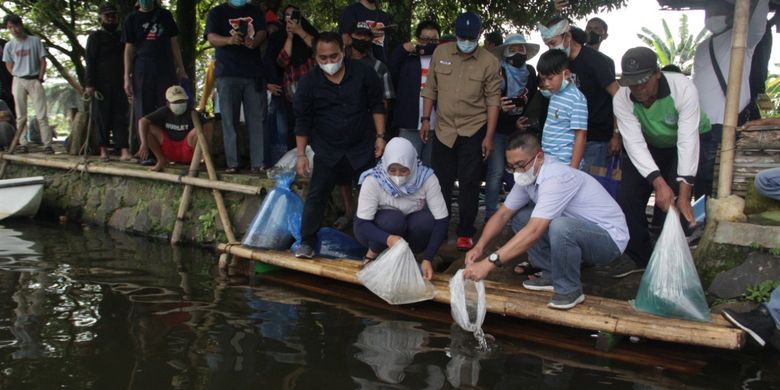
(463, 86)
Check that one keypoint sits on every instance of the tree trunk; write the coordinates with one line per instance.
(188, 31)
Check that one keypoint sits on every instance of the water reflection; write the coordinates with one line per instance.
(95, 309)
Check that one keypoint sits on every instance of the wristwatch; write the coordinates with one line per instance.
(495, 259)
(380, 135)
(425, 118)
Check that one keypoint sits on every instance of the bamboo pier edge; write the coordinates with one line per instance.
(605, 315)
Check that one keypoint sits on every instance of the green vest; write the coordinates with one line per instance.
(659, 122)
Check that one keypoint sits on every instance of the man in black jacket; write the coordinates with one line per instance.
(105, 70)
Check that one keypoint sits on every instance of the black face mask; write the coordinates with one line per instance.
(372, 1)
(517, 60)
(361, 46)
(110, 27)
(594, 39)
(426, 50)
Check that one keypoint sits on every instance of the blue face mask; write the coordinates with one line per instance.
(564, 84)
(467, 47)
(545, 92)
(237, 3)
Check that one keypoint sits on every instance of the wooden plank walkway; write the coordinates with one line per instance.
(596, 313)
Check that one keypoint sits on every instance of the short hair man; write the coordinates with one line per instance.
(169, 132)
(464, 82)
(663, 153)
(562, 217)
(597, 33)
(339, 109)
(237, 29)
(409, 66)
(362, 39)
(493, 40)
(105, 69)
(25, 59)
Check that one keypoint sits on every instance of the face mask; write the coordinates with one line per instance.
(716, 24)
(361, 46)
(525, 178)
(467, 47)
(399, 180)
(237, 3)
(594, 39)
(110, 27)
(560, 46)
(372, 1)
(178, 108)
(545, 92)
(517, 60)
(331, 69)
(146, 4)
(426, 50)
(564, 84)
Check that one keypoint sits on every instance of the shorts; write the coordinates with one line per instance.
(177, 151)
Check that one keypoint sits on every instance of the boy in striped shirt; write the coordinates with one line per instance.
(565, 129)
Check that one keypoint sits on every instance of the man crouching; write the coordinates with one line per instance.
(169, 132)
(561, 217)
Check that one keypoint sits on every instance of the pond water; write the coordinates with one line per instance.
(91, 309)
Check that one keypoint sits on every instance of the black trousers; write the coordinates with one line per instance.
(111, 116)
(323, 179)
(633, 195)
(462, 162)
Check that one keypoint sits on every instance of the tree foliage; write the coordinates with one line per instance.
(679, 53)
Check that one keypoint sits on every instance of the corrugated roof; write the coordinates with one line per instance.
(689, 4)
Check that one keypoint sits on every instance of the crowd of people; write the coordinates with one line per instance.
(463, 114)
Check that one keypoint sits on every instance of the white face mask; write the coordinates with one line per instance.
(399, 180)
(178, 108)
(560, 46)
(331, 69)
(716, 24)
(525, 178)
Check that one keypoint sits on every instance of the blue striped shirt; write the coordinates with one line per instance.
(568, 111)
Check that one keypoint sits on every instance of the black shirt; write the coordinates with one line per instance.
(357, 15)
(338, 118)
(235, 60)
(176, 126)
(594, 72)
(151, 33)
(104, 58)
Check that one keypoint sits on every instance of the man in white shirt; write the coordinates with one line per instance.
(711, 81)
(562, 217)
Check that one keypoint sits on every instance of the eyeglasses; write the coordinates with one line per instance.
(425, 41)
(519, 167)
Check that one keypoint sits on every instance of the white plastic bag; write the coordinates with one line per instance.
(395, 277)
(467, 302)
(288, 161)
(670, 286)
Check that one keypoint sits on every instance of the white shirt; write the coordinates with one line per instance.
(25, 54)
(425, 63)
(711, 96)
(564, 191)
(373, 198)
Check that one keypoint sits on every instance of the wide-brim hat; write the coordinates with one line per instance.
(531, 49)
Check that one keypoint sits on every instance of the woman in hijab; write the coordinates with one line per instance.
(401, 198)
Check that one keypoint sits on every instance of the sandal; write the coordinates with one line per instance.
(526, 268)
(342, 223)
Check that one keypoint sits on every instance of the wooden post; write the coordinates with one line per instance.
(204, 148)
(184, 203)
(11, 148)
(731, 112)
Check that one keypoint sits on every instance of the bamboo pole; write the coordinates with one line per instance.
(129, 172)
(738, 47)
(14, 142)
(184, 203)
(204, 149)
(602, 314)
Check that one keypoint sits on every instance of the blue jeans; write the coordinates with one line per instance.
(567, 243)
(596, 155)
(233, 93)
(773, 305)
(709, 143)
(275, 129)
(496, 167)
(768, 183)
(423, 149)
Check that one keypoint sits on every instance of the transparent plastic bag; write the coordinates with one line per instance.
(395, 276)
(286, 164)
(334, 244)
(277, 222)
(670, 286)
(467, 302)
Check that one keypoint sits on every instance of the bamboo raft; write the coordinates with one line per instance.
(596, 313)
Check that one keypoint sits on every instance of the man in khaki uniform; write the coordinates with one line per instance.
(463, 80)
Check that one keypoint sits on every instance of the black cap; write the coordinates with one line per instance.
(107, 8)
(638, 65)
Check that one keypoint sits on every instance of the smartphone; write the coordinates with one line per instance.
(295, 16)
(389, 27)
(243, 27)
(519, 102)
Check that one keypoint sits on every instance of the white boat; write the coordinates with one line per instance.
(21, 197)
